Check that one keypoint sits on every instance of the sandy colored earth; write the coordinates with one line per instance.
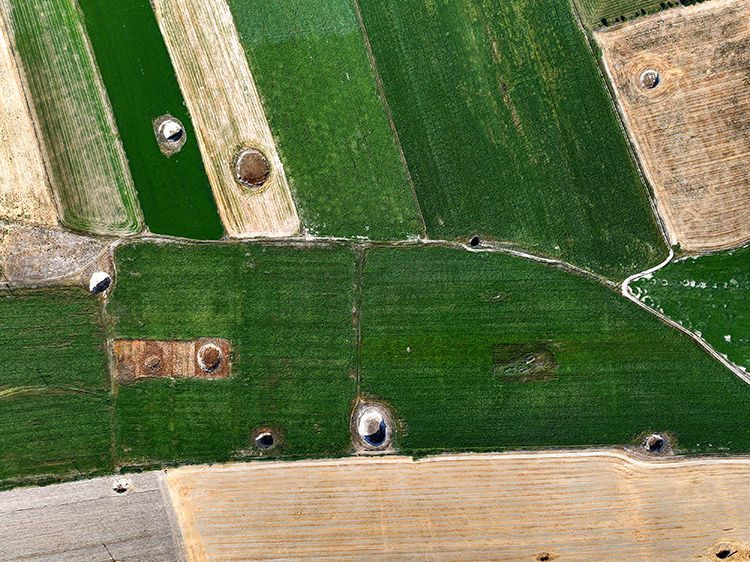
(692, 131)
(88, 520)
(593, 505)
(25, 194)
(139, 359)
(33, 256)
(227, 113)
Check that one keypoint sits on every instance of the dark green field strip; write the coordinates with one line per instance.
(310, 65)
(599, 13)
(52, 339)
(53, 437)
(174, 192)
(487, 352)
(287, 312)
(709, 295)
(509, 132)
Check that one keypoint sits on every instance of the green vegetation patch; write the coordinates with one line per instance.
(84, 157)
(600, 13)
(174, 192)
(54, 387)
(448, 338)
(708, 295)
(311, 68)
(288, 314)
(509, 132)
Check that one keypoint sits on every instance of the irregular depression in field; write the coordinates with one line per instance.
(508, 130)
(83, 154)
(312, 71)
(488, 351)
(288, 315)
(174, 191)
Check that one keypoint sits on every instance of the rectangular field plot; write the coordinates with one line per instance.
(690, 121)
(54, 387)
(312, 71)
(508, 130)
(287, 312)
(83, 155)
(480, 351)
(174, 191)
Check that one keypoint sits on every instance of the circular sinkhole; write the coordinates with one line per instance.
(120, 485)
(475, 241)
(210, 357)
(372, 427)
(655, 444)
(170, 134)
(265, 440)
(251, 168)
(724, 552)
(649, 79)
(99, 282)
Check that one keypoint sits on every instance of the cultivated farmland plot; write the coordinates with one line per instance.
(79, 141)
(690, 127)
(224, 103)
(444, 196)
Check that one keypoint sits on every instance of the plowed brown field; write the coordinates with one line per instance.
(692, 131)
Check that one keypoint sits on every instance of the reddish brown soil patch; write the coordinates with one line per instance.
(139, 359)
(252, 168)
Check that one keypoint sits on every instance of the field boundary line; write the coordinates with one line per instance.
(389, 114)
(628, 294)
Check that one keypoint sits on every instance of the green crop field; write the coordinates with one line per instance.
(709, 295)
(599, 13)
(509, 132)
(54, 387)
(288, 314)
(311, 68)
(174, 192)
(479, 351)
(83, 156)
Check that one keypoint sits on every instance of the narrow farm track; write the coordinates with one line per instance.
(228, 114)
(578, 505)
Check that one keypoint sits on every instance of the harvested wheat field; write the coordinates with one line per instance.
(24, 192)
(79, 140)
(204, 358)
(596, 505)
(681, 80)
(239, 153)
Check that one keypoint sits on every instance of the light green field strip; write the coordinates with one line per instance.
(709, 296)
(509, 132)
(312, 71)
(599, 13)
(82, 151)
(55, 402)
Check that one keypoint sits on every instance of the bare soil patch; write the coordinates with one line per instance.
(25, 195)
(141, 359)
(682, 81)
